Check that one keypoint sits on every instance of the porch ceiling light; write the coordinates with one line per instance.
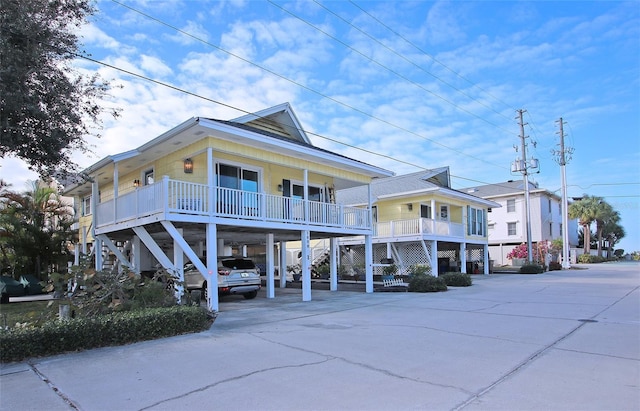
(136, 183)
(188, 166)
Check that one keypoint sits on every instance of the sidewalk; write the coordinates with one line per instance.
(563, 340)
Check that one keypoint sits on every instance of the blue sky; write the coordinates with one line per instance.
(402, 85)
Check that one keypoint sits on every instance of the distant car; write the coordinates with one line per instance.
(235, 276)
(11, 287)
(31, 284)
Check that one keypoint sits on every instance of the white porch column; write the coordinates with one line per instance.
(306, 265)
(283, 264)
(178, 262)
(463, 258)
(368, 247)
(212, 267)
(270, 267)
(333, 264)
(211, 182)
(97, 245)
(116, 178)
(486, 259)
(434, 258)
(136, 252)
(368, 263)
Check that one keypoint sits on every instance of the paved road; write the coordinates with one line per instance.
(565, 340)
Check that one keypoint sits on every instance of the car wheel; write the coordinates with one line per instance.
(251, 295)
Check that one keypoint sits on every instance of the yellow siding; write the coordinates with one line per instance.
(275, 167)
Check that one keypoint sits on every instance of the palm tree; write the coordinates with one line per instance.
(586, 211)
(606, 214)
(612, 233)
(36, 227)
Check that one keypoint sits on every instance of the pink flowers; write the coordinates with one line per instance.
(540, 250)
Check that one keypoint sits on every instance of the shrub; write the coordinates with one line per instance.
(425, 283)
(419, 269)
(555, 266)
(456, 279)
(101, 331)
(531, 269)
(590, 259)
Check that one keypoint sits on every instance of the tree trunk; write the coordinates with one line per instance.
(586, 235)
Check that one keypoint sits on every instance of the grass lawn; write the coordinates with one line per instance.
(27, 311)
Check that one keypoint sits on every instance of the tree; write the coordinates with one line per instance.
(36, 227)
(604, 214)
(612, 233)
(586, 211)
(46, 107)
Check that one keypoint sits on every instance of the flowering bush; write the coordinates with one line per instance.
(518, 252)
(540, 251)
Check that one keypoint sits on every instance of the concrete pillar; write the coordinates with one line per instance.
(283, 264)
(368, 263)
(270, 267)
(333, 264)
(212, 267)
(434, 258)
(306, 265)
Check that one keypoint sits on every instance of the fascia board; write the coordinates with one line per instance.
(444, 193)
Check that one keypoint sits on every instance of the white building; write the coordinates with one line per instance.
(507, 224)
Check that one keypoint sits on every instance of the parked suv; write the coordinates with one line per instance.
(235, 276)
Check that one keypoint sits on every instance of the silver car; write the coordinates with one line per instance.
(235, 276)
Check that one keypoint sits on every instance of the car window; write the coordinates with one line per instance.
(238, 263)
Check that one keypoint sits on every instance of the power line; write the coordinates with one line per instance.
(401, 128)
(411, 62)
(427, 54)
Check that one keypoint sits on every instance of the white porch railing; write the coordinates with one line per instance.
(180, 197)
(419, 226)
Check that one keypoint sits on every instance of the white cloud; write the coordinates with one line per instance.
(154, 66)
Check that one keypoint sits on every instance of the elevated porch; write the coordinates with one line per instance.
(181, 201)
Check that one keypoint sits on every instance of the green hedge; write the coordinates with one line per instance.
(531, 269)
(61, 336)
(457, 279)
(590, 259)
(425, 283)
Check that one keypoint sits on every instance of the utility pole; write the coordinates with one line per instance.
(562, 160)
(523, 166)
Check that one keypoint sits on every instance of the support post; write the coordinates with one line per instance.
(270, 267)
(306, 266)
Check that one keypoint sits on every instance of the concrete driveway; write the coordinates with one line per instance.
(565, 340)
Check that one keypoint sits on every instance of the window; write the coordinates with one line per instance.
(561, 230)
(511, 229)
(511, 206)
(551, 230)
(425, 211)
(374, 212)
(444, 213)
(237, 178)
(86, 205)
(549, 205)
(476, 221)
(295, 190)
(148, 177)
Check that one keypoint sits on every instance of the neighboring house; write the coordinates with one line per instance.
(507, 224)
(420, 220)
(208, 187)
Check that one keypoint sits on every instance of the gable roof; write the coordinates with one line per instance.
(267, 133)
(421, 182)
(277, 120)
